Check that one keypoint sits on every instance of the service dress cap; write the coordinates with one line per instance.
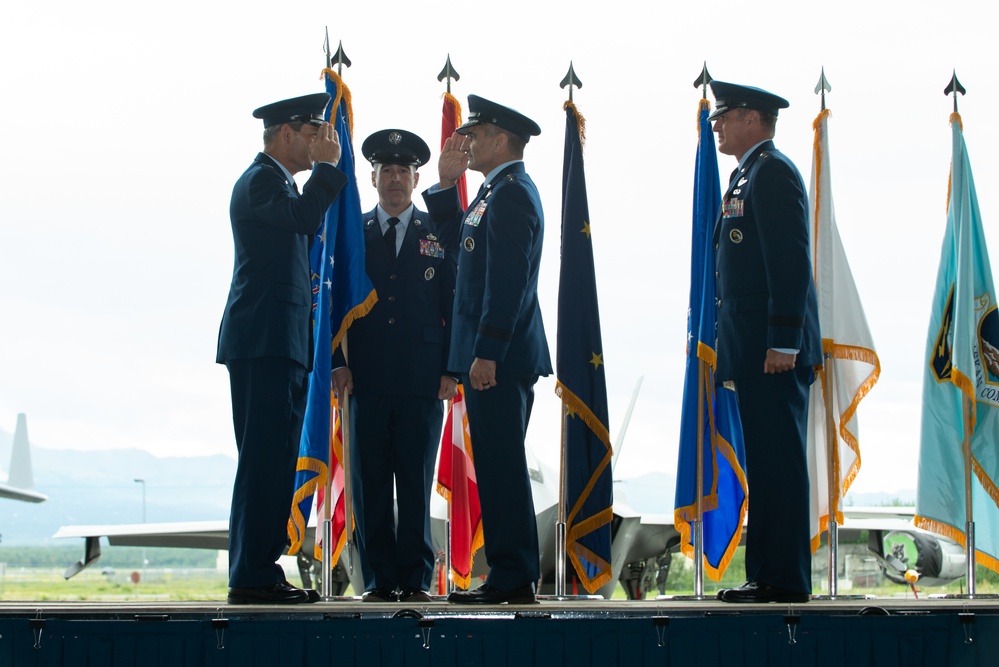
(306, 109)
(481, 111)
(730, 96)
(395, 147)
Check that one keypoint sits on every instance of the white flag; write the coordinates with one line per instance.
(851, 364)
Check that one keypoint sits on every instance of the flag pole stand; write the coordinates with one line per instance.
(560, 532)
(448, 584)
(832, 484)
(327, 588)
(697, 525)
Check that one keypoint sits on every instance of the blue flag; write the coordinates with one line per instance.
(581, 383)
(961, 365)
(341, 293)
(724, 457)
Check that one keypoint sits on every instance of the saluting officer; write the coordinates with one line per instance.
(498, 342)
(768, 338)
(265, 339)
(396, 374)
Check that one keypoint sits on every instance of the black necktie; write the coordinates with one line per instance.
(390, 236)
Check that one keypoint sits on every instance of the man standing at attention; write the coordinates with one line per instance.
(397, 374)
(498, 343)
(768, 338)
(265, 339)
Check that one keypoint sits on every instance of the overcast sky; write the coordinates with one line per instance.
(128, 123)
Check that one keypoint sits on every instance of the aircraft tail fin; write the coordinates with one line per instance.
(20, 484)
(619, 445)
(21, 475)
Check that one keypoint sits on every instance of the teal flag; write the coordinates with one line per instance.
(961, 365)
(342, 292)
(723, 476)
(581, 381)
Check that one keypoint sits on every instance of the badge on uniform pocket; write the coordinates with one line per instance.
(429, 274)
(735, 235)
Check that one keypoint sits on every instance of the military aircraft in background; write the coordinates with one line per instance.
(20, 483)
(643, 542)
(643, 537)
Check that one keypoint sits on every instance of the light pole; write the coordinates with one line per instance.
(143, 483)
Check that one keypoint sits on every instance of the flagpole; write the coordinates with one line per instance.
(969, 516)
(560, 540)
(327, 527)
(348, 499)
(699, 491)
(832, 474)
(448, 584)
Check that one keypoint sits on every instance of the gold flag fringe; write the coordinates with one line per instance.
(949, 531)
(954, 118)
(456, 105)
(342, 92)
(580, 123)
(296, 522)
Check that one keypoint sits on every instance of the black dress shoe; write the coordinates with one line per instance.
(757, 592)
(486, 594)
(379, 595)
(311, 592)
(280, 593)
(721, 591)
(414, 595)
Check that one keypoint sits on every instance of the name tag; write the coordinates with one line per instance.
(733, 208)
(431, 248)
(475, 217)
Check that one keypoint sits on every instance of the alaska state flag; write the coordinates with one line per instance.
(581, 382)
(707, 409)
(961, 366)
(852, 366)
(341, 292)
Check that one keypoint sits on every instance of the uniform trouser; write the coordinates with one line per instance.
(497, 422)
(774, 414)
(394, 439)
(268, 406)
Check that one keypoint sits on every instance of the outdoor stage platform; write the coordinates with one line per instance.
(884, 632)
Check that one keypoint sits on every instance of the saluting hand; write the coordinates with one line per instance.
(453, 160)
(326, 146)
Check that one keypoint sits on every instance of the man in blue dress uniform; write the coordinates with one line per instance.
(396, 374)
(265, 339)
(768, 338)
(498, 343)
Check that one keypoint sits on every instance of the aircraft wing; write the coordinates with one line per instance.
(185, 534)
(27, 495)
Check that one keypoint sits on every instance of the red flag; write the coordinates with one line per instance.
(456, 482)
(455, 473)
